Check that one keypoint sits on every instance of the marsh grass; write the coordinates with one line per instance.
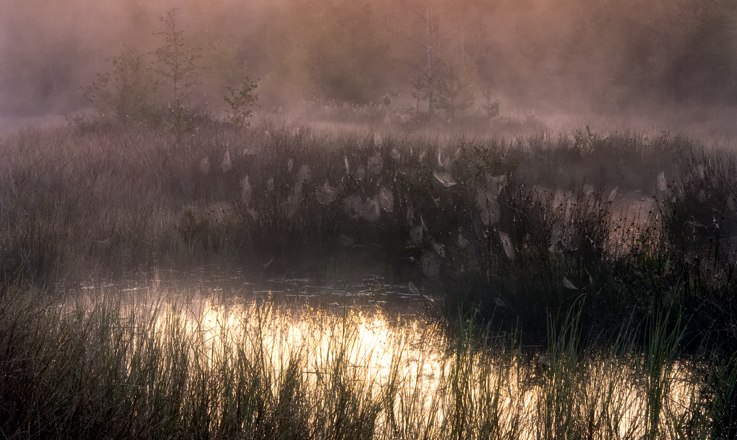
(165, 366)
(115, 196)
(506, 230)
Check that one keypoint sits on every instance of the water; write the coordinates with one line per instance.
(364, 293)
(376, 339)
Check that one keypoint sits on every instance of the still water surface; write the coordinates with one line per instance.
(377, 337)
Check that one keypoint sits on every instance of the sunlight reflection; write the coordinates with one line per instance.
(406, 365)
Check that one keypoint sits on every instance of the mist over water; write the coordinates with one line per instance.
(308, 219)
(646, 65)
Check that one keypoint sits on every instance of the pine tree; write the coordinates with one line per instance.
(177, 62)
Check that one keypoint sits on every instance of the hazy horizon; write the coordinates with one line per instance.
(618, 60)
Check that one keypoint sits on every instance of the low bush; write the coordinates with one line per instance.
(476, 222)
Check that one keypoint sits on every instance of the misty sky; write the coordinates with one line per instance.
(606, 55)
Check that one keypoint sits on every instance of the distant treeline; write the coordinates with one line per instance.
(444, 56)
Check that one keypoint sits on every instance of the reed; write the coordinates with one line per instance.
(166, 366)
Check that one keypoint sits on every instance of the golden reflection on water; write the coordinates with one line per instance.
(428, 378)
(367, 345)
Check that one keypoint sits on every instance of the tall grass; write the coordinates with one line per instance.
(115, 197)
(168, 367)
(507, 230)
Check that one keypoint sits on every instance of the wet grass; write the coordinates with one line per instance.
(583, 285)
(117, 197)
(167, 367)
(509, 230)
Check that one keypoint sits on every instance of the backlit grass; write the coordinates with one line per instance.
(161, 365)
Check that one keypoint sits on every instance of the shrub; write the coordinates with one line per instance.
(240, 99)
(124, 93)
